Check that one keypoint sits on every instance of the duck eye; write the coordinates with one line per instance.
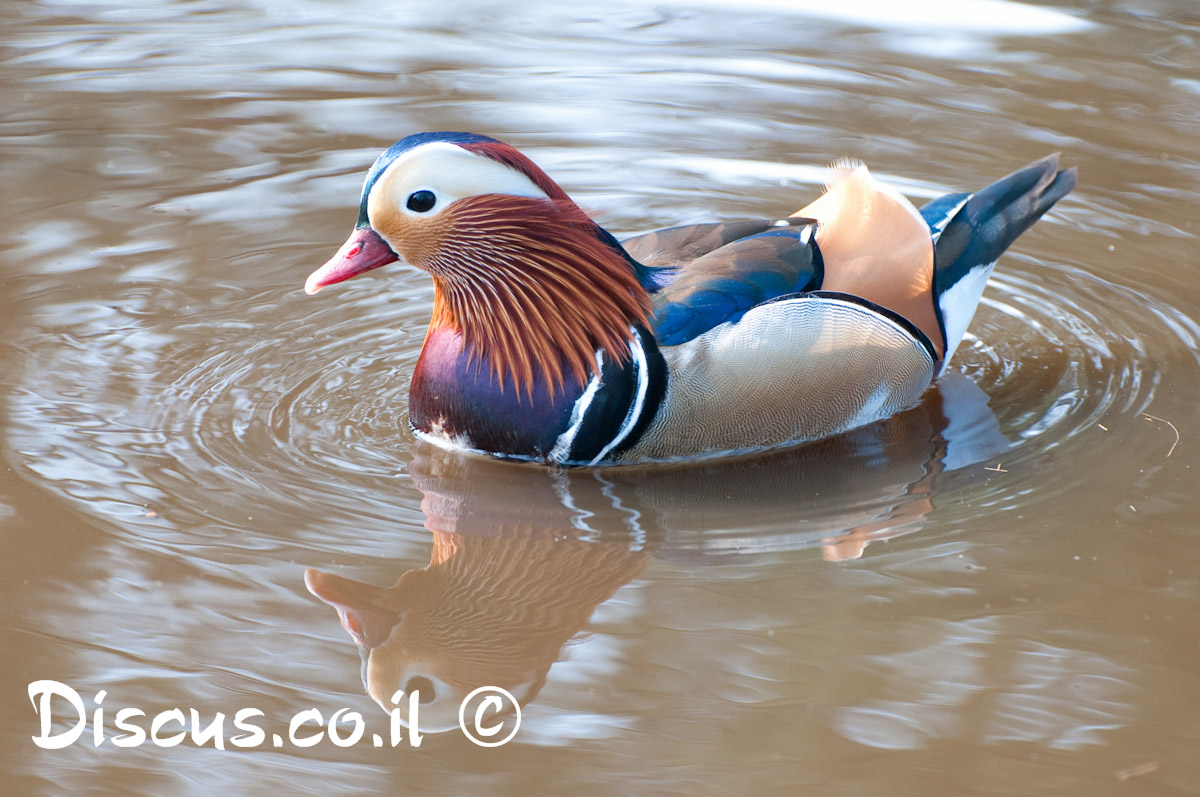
(421, 201)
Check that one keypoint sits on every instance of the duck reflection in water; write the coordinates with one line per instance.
(522, 555)
(487, 611)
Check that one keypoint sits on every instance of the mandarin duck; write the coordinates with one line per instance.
(551, 341)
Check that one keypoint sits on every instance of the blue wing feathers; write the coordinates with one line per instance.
(722, 285)
(937, 213)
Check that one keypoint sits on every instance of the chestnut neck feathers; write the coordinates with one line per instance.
(533, 289)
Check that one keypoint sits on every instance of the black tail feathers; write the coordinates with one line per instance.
(993, 218)
(975, 229)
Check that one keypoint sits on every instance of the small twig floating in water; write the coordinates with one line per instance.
(1148, 768)
(1178, 437)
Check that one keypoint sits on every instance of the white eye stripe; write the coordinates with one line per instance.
(450, 173)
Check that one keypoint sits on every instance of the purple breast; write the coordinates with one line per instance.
(457, 395)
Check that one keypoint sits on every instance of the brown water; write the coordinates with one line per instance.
(993, 593)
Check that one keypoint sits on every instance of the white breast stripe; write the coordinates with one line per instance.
(642, 372)
(562, 446)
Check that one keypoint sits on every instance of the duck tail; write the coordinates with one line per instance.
(970, 231)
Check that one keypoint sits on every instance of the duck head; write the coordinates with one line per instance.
(531, 283)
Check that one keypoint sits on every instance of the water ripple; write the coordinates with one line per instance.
(276, 399)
